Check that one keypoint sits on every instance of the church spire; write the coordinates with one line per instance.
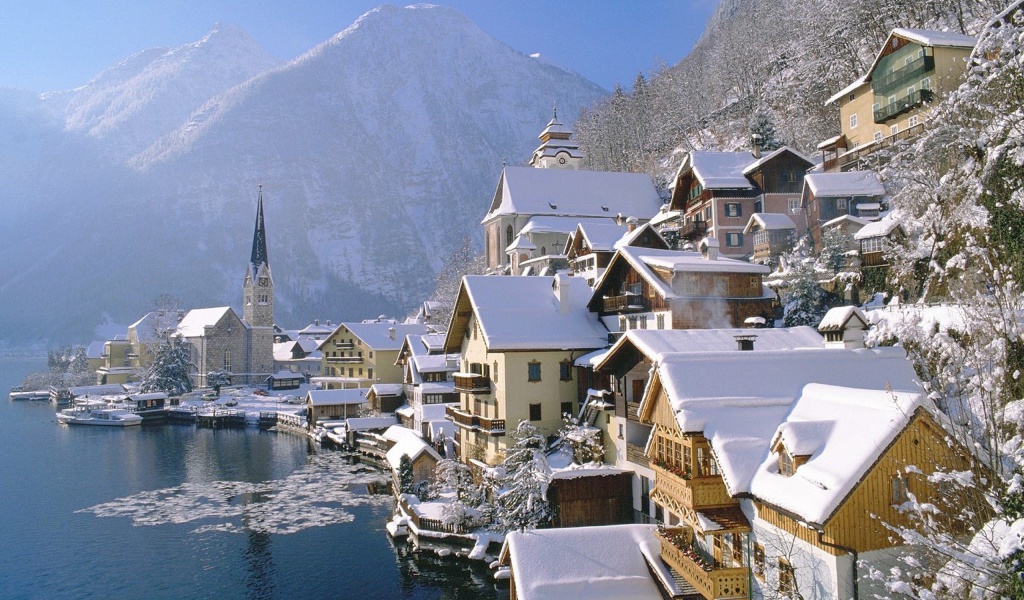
(259, 238)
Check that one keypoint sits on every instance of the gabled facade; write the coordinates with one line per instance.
(913, 69)
(590, 248)
(220, 341)
(358, 355)
(830, 196)
(427, 380)
(714, 194)
(516, 338)
(668, 289)
(772, 235)
(875, 239)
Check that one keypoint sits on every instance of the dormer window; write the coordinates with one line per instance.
(786, 468)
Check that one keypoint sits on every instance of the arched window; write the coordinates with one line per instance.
(227, 360)
(508, 236)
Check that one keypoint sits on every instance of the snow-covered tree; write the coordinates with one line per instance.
(405, 475)
(519, 487)
(218, 379)
(584, 441)
(761, 125)
(803, 298)
(169, 371)
(466, 260)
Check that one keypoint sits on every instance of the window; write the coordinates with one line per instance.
(632, 322)
(899, 489)
(791, 176)
(926, 83)
(622, 323)
(721, 286)
(566, 409)
(755, 282)
(852, 96)
(875, 244)
(691, 284)
(508, 236)
(759, 561)
(875, 107)
(369, 373)
(707, 215)
(913, 121)
(853, 121)
(495, 371)
(787, 578)
(642, 321)
(533, 372)
(659, 321)
(892, 100)
(565, 371)
(878, 136)
(227, 360)
(733, 209)
(794, 206)
(535, 412)
(785, 463)
(734, 240)
(894, 129)
(910, 92)
(841, 204)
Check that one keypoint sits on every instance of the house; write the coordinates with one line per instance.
(117, 364)
(385, 398)
(619, 562)
(646, 288)
(772, 235)
(590, 248)
(427, 380)
(562, 196)
(405, 442)
(146, 334)
(285, 380)
(875, 239)
(516, 338)
(298, 356)
(629, 364)
(913, 69)
(714, 194)
(777, 471)
(361, 354)
(829, 196)
(332, 405)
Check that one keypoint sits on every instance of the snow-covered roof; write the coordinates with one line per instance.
(523, 313)
(155, 324)
(739, 400)
(850, 183)
(769, 221)
(95, 349)
(597, 563)
(379, 336)
(858, 221)
(317, 329)
(771, 155)
(196, 321)
(566, 225)
(684, 261)
(406, 443)
(601, 236)
(721, 170)
(830, 142)
(844, 431)
(365, 423)
(877, 229)
(336, 397)
(929, 37)
(571, 192)
(656, 343)
(837, 318)
(520, 243)
(285, 374)
(387, 389)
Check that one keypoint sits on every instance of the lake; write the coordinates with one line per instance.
(172, 511)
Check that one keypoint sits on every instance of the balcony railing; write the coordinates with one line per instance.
(851, 157)
(471, 383)
(714, 583)
(898, 78)
(696, 493)
(344, 345)
(904, 104)
(345, 360)
(693, 230)
(624, 303)
(469, 421)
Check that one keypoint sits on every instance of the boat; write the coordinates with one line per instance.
(19, 393)
(91, 415)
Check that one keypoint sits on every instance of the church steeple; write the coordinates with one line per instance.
(259, 238)
(556, 150)
(258, 291)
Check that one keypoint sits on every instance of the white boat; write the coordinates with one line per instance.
(89, 415)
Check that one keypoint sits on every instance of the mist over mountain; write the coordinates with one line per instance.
(378, 151)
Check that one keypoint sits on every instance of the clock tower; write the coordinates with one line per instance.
(258, 291)
(556, 150)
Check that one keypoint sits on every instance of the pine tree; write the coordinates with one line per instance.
(802, 297)
(405, 475)
(169, 371)
(584, 441)
(762, 126)
(520, 490)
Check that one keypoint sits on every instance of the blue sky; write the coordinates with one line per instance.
(56, 44)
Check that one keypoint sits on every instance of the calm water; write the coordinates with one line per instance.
(178, 512)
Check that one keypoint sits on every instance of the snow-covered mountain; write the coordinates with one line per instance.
(378, 151)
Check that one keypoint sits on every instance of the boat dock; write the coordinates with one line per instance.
(17, 394)
(220, 418)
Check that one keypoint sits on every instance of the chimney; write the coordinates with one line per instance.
(391, 332)
(755, 144)
(631, 224)
(709, 248)
(561, 293)
(316, 321)
(619, 219)
(745, 343)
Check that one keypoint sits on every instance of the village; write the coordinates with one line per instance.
(613, 405)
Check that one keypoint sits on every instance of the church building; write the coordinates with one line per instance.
(240, 347)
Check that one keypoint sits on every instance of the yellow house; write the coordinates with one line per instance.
(517, 338)
(776, 472)
(358, 355)
(117, 362)
(913, 69)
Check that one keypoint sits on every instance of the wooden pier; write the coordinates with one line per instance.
(219, 418)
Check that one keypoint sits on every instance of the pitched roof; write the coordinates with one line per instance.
(378, 336)
(721, 170)
(849, 183)
(930, 37)
(769, 221)
(771, 155)
(196, 321)
(576, 193)
(877, 229)
(523, 313)
(837, 318)
(612, 561)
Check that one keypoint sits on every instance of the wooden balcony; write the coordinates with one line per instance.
(904, 104)
(696, 493)
(635, 454)
(693, 230)
(471, 383)
(344, 345)
(465, 420)
(716, 583)
(345, 360)
(625, 303)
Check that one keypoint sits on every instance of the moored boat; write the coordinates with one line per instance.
(91, 415)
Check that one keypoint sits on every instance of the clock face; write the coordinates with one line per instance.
(561, 160)
(263, 281)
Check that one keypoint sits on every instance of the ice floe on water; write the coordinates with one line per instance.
(316, 495)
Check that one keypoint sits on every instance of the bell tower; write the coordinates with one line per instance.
(556, 150)
(258, 291)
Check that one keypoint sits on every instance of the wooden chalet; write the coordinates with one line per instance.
(829, 196)
(875, 239)
(590, 248)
